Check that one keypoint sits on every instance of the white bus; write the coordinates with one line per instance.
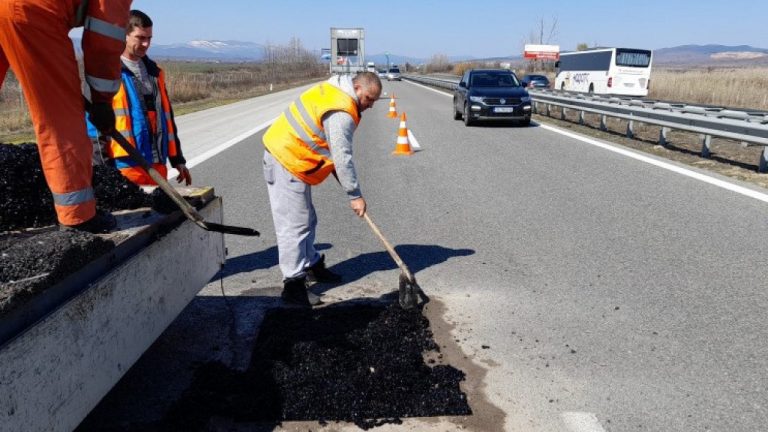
(618, 71)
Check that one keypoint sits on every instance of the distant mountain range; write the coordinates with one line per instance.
(215, 50)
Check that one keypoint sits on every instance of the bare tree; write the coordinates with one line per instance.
(543, 34)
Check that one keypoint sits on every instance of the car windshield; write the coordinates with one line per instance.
(394, 70)
(494, 80)
(537, 78)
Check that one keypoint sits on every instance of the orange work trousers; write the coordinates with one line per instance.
(34, 42)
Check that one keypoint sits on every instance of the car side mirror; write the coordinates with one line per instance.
(557, 64)
(463, 84)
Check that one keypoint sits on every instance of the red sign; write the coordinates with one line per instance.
(539, 55)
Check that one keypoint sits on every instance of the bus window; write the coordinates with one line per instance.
(633, 58)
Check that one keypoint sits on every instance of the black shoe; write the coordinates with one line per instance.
(295, 292)
(318, 273)
(102, 222)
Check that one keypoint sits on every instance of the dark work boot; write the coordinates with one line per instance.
(102, 222)
(318, 273)
(295, 292)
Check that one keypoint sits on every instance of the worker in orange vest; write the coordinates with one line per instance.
(144, 115)
(35, 44)
(310, 140)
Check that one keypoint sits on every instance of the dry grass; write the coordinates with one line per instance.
(730, 87)
(192, 86)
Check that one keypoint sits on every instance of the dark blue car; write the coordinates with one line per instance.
(491, 94)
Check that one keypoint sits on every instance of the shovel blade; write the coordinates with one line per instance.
(408, 292)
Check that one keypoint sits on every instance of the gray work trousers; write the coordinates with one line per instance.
(294, 217)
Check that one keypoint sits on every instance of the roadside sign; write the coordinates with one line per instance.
(542, 52)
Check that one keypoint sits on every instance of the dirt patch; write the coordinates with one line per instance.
(354, 362)
(728, 158)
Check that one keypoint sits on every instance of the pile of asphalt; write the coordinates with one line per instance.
(355, 363)
(27, 201)
(31, 264)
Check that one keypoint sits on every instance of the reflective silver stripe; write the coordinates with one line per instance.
(308, 120)
(104, 28)
(299, 130)
(73, 198)
(122, 112)
(171, 137)
(103, 85)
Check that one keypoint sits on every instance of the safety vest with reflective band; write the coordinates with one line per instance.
(140, 130)
(103, 40)
(297, 138)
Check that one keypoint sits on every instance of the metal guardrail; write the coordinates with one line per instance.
(750, 127)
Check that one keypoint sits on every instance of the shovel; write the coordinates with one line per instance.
(409, 291)
(188, 210)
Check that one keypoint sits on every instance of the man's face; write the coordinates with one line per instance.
(366, 96)
(137, 42)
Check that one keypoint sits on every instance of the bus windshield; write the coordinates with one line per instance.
(633, 58)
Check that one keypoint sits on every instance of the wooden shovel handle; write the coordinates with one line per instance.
(389, 248)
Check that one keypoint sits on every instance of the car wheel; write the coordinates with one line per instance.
(467, 120)
(456, 113)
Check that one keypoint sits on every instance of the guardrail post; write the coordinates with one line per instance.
(663, 136)
(581, 118)
(549, 114)
(706, 142)
(763, 165)
(603, 122)
(563, 111)
(631, 129)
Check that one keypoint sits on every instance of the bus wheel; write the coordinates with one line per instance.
(562, 86)
(591, 89)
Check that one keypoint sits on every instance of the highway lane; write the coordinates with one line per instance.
(610, 294)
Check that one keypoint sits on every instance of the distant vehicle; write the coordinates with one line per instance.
(393, 74)
(382, 73)
(618, 71)
(491, 94)
(370, 67)
(535, 81)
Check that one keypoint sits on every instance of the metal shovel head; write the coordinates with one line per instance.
(408, 292)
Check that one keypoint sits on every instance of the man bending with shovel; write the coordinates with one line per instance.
(311, 139)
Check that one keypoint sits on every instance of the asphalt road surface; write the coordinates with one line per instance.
(581, 289)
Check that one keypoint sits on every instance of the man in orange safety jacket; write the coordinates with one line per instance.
(35, 44)
(143, 111)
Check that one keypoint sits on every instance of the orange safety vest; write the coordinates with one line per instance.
(297, 138)
(140, 129)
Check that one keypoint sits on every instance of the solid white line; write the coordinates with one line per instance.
(430, 88)
(665, 165)
(221, 147)
(582, 422)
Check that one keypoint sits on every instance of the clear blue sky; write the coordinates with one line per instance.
(484, 28)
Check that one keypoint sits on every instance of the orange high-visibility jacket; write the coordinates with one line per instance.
(34, 42)
(297, 138)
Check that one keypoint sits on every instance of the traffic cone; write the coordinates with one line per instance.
(392, 111)
(403, 147)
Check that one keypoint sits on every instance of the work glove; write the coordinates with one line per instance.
(184, 175)
(102, 116)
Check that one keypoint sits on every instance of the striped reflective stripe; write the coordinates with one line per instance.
(122, 112)
(301, 132)
(103, 85)
(171, 137)
(104, 28)
(73, 198)
(308, 120)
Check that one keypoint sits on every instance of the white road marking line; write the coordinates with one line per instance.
(581, 422)
(221, 147)
(665, 165)
(413, 141)
(668, 166)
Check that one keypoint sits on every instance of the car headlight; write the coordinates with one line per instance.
(525, 99)
(476, 99)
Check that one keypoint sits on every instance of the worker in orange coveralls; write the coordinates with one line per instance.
(35, 43)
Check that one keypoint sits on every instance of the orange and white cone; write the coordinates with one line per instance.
(392, 110)
(403, 147)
